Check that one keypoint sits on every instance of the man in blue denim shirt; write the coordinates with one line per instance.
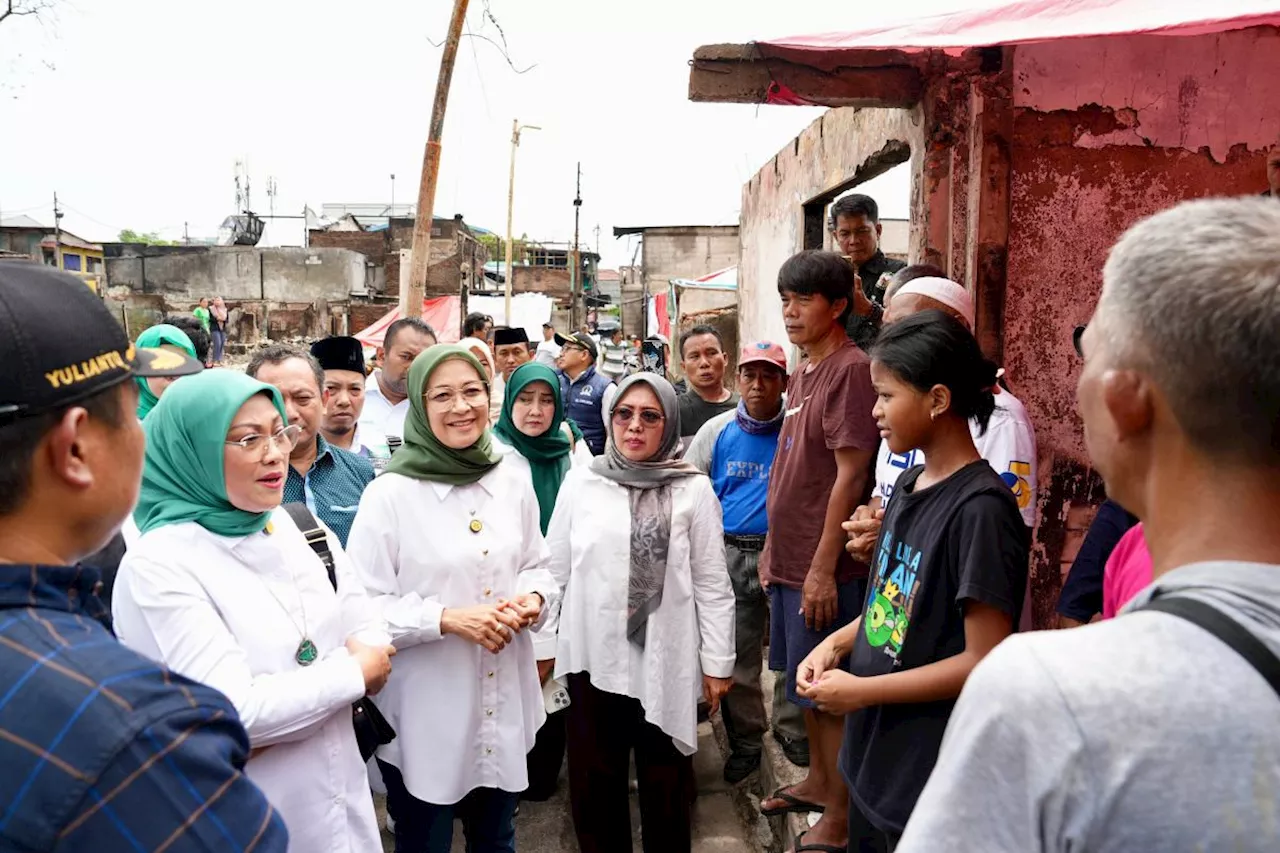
(327, 479)
(101, 749)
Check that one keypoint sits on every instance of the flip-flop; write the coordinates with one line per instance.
(793, 804)
(801, 847)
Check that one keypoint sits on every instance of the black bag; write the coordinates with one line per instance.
(1225, 629)
(372, 729)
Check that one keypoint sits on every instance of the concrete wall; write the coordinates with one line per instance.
(678, 252)
(1089, 158)
(238, 273)
(827, 155)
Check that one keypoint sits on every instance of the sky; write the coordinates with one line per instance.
(136, 111)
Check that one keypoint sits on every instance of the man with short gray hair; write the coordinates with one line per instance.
(327, 479)
(1155, 730)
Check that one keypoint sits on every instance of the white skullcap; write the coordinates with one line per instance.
(942, 290)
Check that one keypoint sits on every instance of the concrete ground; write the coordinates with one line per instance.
(548, 827)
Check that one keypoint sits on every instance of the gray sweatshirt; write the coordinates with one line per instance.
(1142, 733)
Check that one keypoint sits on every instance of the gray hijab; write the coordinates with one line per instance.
(648, 485)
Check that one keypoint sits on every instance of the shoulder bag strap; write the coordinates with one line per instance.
(315, 536)
(1225, 629)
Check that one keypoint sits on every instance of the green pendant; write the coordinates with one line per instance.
(307, 652)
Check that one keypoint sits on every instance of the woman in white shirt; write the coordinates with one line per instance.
(533, 434)
(646, 625)
(448, 543)
(223, 588)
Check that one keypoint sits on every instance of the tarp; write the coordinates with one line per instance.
(1037, 21)
(442, 313)
(725, 279)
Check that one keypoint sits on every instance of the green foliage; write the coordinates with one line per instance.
(151, 238)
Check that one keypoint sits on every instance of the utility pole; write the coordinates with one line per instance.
(392, 212)
(411, 297)
(186, 235)
(508, 274)
(57, 233)
(578, 311)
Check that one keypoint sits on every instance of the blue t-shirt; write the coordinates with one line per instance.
(740, 464)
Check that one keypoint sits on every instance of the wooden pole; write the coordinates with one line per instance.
(412, 296)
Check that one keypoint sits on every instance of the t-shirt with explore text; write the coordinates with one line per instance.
(1009, 444)
(958, 540)
(828, 409)
(739, 471)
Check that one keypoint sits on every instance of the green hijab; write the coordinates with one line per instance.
(423, 456)
(548, 454)
(152, 338)
(183, 478)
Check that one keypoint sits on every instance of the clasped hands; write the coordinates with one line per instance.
(493, 626)
(820, 679)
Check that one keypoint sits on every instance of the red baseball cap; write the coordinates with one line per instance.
(764, 351)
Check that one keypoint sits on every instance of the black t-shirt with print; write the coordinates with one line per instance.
(961, 539)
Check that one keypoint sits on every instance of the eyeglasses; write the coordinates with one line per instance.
(285, 438)
(472, 395)
(648, 417)
(1075, 339)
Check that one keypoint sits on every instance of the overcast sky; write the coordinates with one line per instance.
(136, 111)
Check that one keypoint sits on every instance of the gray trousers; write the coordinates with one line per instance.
(743, 705)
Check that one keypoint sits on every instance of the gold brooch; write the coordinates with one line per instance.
(475, 525)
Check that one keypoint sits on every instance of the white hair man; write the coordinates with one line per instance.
(1148, 732)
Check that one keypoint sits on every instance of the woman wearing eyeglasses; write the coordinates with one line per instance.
(223, 588)
(447, 541)
(646, 625)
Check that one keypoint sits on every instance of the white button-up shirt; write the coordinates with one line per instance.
(689, 634)
(231, 612)
(380, 417)
(465, 718)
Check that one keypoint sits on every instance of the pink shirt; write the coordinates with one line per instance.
(1127, 573)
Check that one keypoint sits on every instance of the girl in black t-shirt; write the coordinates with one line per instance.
(946, 583)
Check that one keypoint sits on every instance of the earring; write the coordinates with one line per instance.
(933, 416)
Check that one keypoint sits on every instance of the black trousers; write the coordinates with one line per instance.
(546, 758)
(604, 729)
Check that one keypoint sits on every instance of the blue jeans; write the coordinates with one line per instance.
(219, 344)
(488, 819)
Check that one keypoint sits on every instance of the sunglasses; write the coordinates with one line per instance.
(648, 417)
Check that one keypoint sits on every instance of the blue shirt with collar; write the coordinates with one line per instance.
(103, 749)
(332, 488)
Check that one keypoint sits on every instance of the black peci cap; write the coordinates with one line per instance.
(339, 353)
(60, 345)
(505, 336)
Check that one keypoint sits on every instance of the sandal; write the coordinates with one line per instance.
(801, 847)
(793, 804)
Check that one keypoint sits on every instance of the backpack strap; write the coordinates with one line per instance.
(315, 536)
(1225, 629)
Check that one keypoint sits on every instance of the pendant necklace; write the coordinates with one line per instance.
(306, 653)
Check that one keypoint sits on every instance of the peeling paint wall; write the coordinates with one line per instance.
(827, 154)
(1106, 132)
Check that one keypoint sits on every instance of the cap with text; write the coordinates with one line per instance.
(579, 339)
(765, 352)
(60, 345)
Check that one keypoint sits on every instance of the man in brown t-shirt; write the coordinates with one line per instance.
(823, 470)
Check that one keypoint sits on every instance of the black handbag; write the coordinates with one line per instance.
(372, 729)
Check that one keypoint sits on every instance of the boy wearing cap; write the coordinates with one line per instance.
(548, 349)
(736, 449)
(585, 391)
(102, 749)
(342, 360)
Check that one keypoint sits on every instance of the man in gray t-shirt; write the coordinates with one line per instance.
(1146, 732)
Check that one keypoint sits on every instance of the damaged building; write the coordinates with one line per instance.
(1032, 145)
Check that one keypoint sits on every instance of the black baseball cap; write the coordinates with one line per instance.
(60, 345)
(581, 339)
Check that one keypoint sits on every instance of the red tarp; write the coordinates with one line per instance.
(443, 313)
(1040, 20)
